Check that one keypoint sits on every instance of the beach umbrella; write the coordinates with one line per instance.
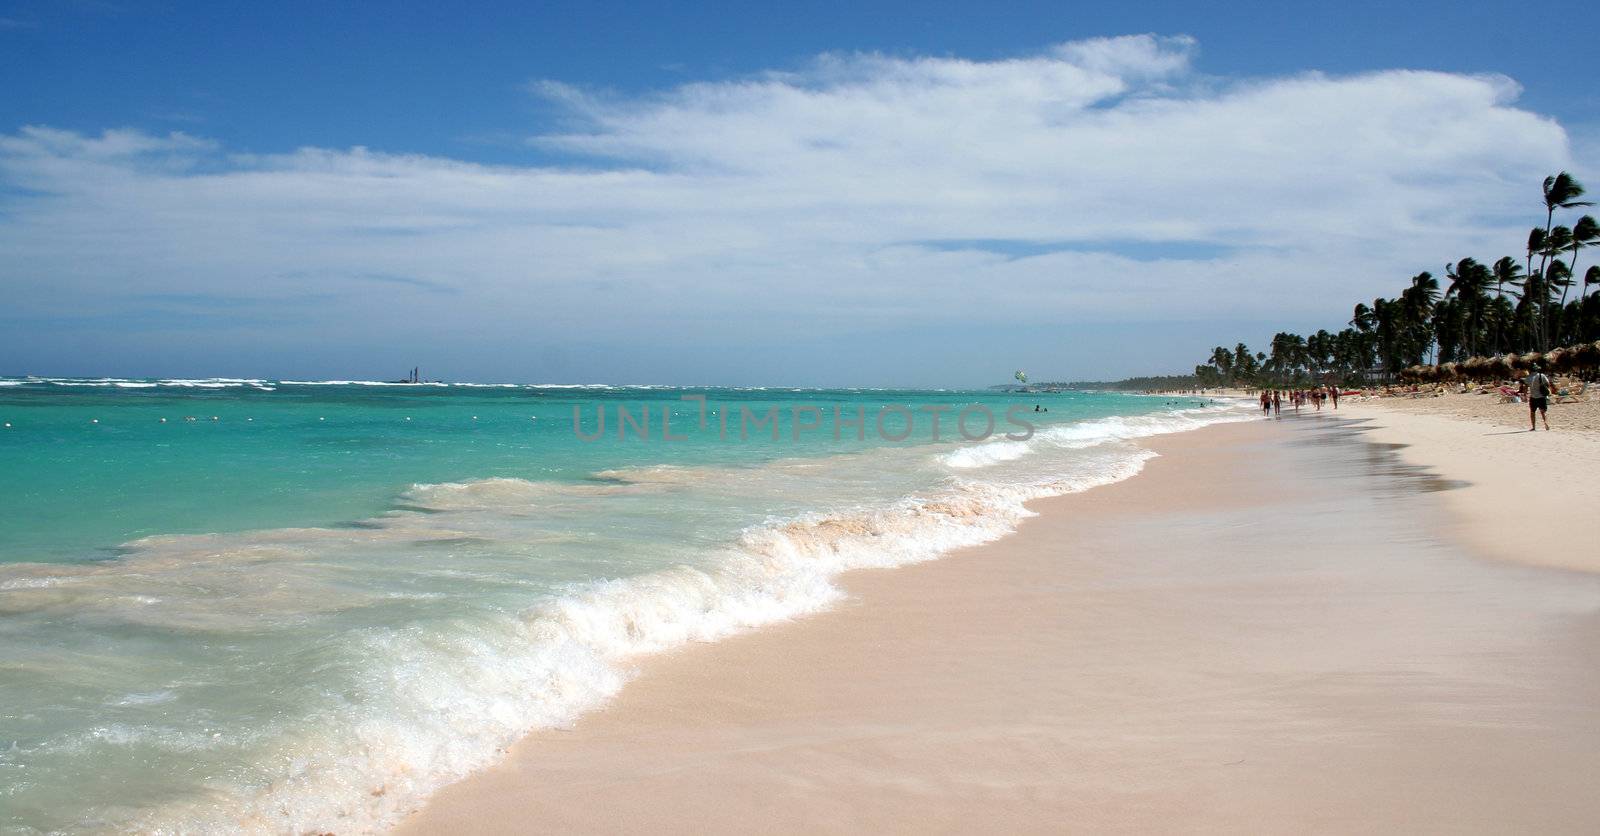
(1558, 360)
(1588, 356)
(1478, 368)
(1500, 367)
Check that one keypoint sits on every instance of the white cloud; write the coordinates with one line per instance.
(809, 203)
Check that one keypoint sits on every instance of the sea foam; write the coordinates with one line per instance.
(430, 700)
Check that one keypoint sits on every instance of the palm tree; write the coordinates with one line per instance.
(1386, 334)
(1417, 303)
(1561, 191)
(1535, 246)
(1555, 244)
(1500, 313)
(1222, 359)
(1530, 310)
(1319, 353)
(1469, 283)
(1557, 275)
(1585, 233)
(1450, 329)
(1245, 365)
(1288, 356)
(1352, 353)
(1588, 310)
(1505, 272)
(1362, 318)
(1424, 290)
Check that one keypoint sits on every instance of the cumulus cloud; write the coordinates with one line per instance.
(932, 197)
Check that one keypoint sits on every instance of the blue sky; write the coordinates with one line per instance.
(450, 78)
(259, 231)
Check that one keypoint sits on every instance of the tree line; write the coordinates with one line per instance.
(1132, 384)
(1515, 305)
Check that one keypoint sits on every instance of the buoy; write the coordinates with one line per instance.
(408, 417)
(8, 425)
(474, 417)
(322, 419)
(94, 420)
(213, 417)
(163, 420)
(249, 419)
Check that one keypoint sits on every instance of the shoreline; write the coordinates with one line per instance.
(1524, 497)
(966, 692)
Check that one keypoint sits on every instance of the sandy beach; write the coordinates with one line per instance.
(1280, 626)
(1521, 496)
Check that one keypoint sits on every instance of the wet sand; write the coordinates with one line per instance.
(1526, 497)
(1268, 631)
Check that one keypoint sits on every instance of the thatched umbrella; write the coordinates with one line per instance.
(1500, 367)
(1561, 360)
(1588, 357)
(1476, 368)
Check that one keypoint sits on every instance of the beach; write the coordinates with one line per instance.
(712, 419)
(1278, 626)
(1521, 496)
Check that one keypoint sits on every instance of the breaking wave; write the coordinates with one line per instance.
(1089, 433)
(427, 702)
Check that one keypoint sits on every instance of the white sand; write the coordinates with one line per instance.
(1531, 497)
(1262, 633)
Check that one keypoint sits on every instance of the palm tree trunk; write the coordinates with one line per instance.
(1476, 348)
(1527, 271)
(1498, 324)
(1575, 276)
(1544, 304)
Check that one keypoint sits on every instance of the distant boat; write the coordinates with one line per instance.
(414, 377)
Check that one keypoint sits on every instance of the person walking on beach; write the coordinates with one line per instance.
(1333, 394)
(1277, 403)
(1538, 386)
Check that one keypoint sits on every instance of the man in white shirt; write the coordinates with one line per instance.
(1538, 386)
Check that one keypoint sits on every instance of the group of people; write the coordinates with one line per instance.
(1272, 399)
(1536, 388)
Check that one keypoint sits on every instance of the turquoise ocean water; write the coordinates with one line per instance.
(297, 606)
